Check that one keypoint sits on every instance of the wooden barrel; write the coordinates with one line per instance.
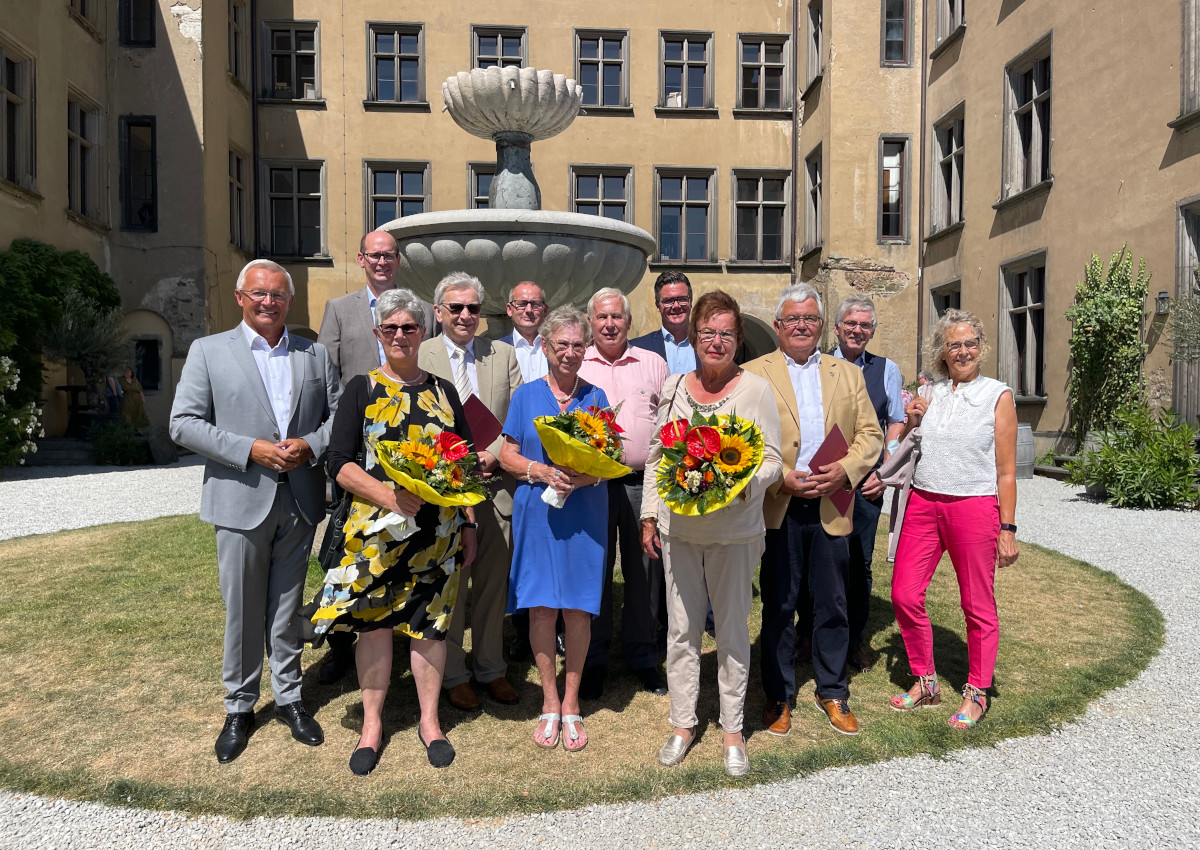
(1025, 451)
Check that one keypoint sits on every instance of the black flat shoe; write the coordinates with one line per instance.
(363, 761)
(305, 729)
(652, 681)
(234, 735)
(440, 752)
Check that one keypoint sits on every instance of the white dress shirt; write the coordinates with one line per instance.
(276, 371)
(806, 383)
(681, 357)
(469, 351)
(531, 357)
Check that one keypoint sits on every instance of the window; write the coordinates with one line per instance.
(686, 83)
(396, 74)
(294, 210)
(137, 23)
(764, 80)
(147, 362)
(292, 68)
(760, 205)
(1189, 89)
(85, 9)
(1027, 148)
(812, 200)
(394, 190)
(600, 67)
(894, 43)
(606, 192)
(1022, 330)
(479, 183)
(238, 59)
(499, 46)
(1187, 285)
(139, 173)
(16, 118)
(949, 19)
(237, 200)
(83, 185)
(686, 226)
(947, 200)
(946, 297)
(893, 189)
(816, 62)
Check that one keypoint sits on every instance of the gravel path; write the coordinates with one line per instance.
(1123, 775)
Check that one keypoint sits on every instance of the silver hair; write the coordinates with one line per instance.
(926, 374)
(935, 349)
(566, 315)
(458, 280)
(799, 293)
(399, 300)
(855, 304)
(269, 265)
(523, 283)
(607, 292)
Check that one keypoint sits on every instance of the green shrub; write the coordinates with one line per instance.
(1144, 461)
(115, 442)
(19, 423)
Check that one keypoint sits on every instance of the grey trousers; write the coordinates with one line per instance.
(261, 572)
(489, 595)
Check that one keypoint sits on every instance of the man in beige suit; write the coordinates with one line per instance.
(488, 370)
(806, 541)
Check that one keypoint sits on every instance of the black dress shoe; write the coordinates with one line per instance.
(591, 683)
(560, 645)
(363, 761)
(336, 665)
(305, 729)
(652, 680)
(440, 752)
(234, 735)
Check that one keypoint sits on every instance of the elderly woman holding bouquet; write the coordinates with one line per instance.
(558, 552)
(403, 555)
(710, 542)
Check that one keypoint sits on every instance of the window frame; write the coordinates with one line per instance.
(83, 158)
(125, 24)
(124, 124)
(686, 37)
(1015, 178)
(786, 82)
(397, 29)
(814, 59)
(710, 202)
(944, 291)
(371, 167)
(906, 60)
(474, 171)
(237, 53)
(814, 200)
(946, 199)
(488, 30)
(1011, 370)
(269, 84)
(905, 235)
(266, 195)
(1189, 59)
(582, 33)
(576, 170)
(949, 20)
(148, 387)
(785, 235)
(23, 93)
(239, 193)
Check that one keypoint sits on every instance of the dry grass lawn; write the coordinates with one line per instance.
(112, 640)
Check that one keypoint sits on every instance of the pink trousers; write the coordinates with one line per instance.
(967, 527)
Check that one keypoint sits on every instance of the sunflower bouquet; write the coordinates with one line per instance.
(707, 462)
(587, 440)
(437, 467)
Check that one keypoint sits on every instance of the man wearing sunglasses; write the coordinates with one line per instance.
(489, 371)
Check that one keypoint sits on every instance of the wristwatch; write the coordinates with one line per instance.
(470, 525)
(1008, 526)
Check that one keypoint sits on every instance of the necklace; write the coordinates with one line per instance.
(407, 382)
(569, 395)
(704, 408)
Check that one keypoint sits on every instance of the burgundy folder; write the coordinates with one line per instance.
(832, 450)
(485, 427)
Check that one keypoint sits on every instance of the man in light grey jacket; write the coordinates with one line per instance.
(259, 405)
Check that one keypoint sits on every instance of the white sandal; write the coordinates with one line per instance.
(569, 720)
(546, 740)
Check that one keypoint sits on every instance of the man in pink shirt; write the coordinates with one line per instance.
(632, 378)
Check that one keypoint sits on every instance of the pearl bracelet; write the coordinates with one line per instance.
(528, 471)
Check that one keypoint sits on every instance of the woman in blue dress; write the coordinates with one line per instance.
(558, 553)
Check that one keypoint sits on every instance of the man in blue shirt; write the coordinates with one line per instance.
(673, 298)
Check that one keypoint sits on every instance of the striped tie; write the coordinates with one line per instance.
(462, 381)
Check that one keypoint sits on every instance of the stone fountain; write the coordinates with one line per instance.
(570, 255)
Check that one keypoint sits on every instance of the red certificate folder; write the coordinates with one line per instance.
(485, 427)
(832, 450)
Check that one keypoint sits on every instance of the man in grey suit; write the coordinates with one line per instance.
(259, 404)
(488, 370)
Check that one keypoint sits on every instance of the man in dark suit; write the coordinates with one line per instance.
(259, 405)
(673, 298)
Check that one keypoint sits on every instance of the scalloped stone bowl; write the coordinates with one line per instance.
(570, 255)
(485, 102)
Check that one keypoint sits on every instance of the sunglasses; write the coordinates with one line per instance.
(455, 309)
(389, 331)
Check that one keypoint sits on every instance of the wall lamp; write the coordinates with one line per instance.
(1162, 304)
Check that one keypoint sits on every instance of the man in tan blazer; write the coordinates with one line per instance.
(489, 370)
(806, 542)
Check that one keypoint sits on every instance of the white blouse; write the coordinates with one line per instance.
(958, 439)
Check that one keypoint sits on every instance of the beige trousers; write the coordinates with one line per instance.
(489, 595)
(697, 573)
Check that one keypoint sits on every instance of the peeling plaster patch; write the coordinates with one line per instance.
(189, 21)
(179, 300)
(868, 277)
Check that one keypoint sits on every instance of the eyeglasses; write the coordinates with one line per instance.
(969, 345)
(524, 305)
(676, 301)
(389, 331)
(377, 256)
(859, 326)
(708, 335)
(562, 347)
(258, 296)
(473, 309)
(796, 321)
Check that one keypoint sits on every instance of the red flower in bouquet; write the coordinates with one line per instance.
(673, 432)
(452, 447)
(703, 442)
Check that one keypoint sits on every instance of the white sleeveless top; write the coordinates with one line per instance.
(958, 439)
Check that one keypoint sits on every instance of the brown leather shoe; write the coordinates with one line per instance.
(777, 718)
(501, 691)
(860, 659)
(462, 696)
(840, 716)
